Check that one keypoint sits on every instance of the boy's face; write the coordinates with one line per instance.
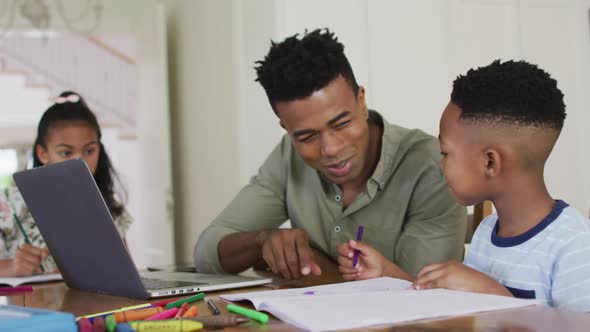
(329, 130)
(463, 159)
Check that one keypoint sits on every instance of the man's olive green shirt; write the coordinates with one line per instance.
(407, 210)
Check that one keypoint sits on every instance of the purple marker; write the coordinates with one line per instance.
(359, 237)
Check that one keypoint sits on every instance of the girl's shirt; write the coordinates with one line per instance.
(14, 210)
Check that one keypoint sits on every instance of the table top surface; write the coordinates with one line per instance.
(57, 296)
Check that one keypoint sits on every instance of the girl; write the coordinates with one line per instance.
(68, 129)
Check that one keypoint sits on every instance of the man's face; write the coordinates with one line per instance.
(462, 159)
(329, 130)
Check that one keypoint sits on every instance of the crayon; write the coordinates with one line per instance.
(170, 325)
(259, 316)
(137, 314)
(182, 310)
(16, 289)
(221, 320)
(98, 324)
(110, 323)
(162, 303)
(359, 237)
(180, 302)
(106, 313)
(164, 314)
(124, 327)
(84, 325)
(191, 312)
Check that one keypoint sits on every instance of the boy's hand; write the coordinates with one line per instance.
(27, 260)
(371, 264)
(457, 276)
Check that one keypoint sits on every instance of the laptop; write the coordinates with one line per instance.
(79, 231)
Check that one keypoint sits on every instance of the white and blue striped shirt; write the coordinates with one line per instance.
(550, 262)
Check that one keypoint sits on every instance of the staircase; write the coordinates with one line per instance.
(63, 61)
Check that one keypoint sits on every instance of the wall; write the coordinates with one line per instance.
(203, 50)
(143, 160)
(406, 54)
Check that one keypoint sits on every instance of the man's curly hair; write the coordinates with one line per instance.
(295, 68)
(513, 92)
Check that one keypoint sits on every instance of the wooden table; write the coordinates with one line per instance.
(58, 296)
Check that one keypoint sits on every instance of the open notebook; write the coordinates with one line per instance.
(16, 281)
(369, 302)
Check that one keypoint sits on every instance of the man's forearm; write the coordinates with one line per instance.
(240, 251)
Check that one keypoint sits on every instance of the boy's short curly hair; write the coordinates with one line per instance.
(295, 68)
(513, 92)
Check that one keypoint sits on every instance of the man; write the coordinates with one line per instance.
(339, 166)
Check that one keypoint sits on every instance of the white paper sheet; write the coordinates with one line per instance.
(362, 286)
(16, 281)
(370, 302)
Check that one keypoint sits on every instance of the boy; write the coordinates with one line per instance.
(495, 137)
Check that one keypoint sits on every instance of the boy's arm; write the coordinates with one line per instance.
(457, 276)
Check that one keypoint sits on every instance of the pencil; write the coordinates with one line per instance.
(20, 226)
(213, 307)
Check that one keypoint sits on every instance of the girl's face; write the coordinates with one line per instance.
(70, 140)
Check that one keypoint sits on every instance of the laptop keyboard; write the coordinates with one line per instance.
(162, 284)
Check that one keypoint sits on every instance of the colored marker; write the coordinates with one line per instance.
(171, 325)
(98, 324)
(110, 323)
(137, 306)
(124, 327)
(259, 316)
(106, 313)
(137, 314)
(181, 311)
(221, 320)
(212, 307)
(359, 237)
(180, 302)
(164, 314)
(162, 303)
(84, 325)
(191, 312)
(16, 289)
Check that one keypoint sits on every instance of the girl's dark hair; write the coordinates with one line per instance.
(67, 112)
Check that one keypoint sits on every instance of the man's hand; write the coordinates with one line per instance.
(287, 252)
(455, 275)
(27, 260)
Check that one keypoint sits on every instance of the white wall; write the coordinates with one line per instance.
(203, 52)
(143, 159)
(406, 54)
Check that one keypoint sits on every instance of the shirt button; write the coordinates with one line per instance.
(337, 228)
(337, 198)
